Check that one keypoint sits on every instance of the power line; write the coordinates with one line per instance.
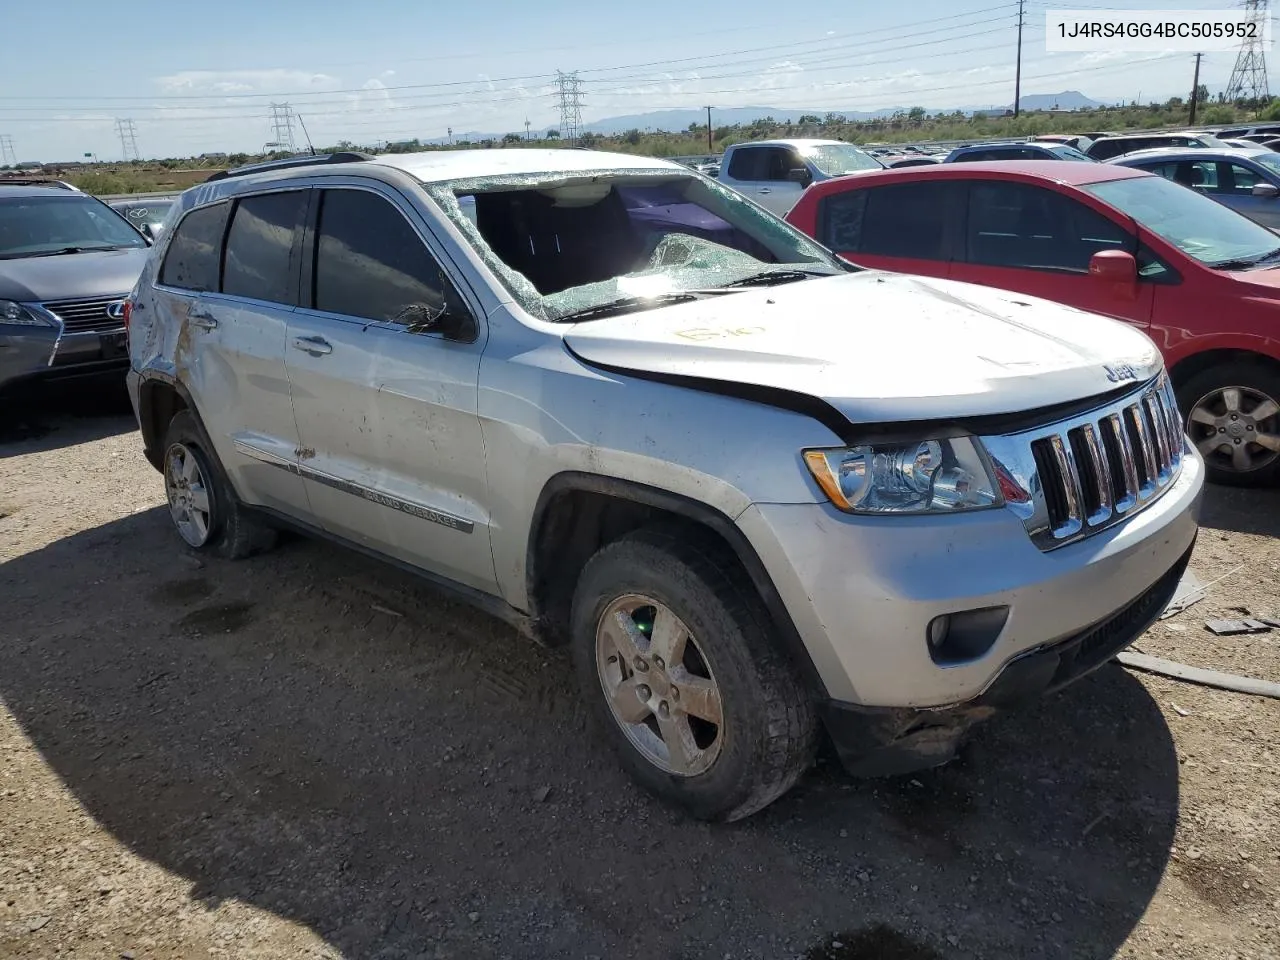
(1105, 68)
(857, 38)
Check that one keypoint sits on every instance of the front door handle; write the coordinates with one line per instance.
(764, 190)
(316, 346)
(201, 318)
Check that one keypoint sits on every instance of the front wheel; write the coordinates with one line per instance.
(1233, 417)
(674, 655)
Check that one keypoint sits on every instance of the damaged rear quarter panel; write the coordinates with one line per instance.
(543, 412)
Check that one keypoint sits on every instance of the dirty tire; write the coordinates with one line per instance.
(769, 722)
(1256, 377)
(235, 533)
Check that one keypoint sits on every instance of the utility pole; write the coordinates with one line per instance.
(710, 146)
(1195, 90)
(1017, 77)
(7, 154)
(526, 128)
(450, 129)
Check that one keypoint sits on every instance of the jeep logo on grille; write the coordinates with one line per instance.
(1119, 372)
(115, 310)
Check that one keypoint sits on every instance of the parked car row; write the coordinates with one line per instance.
(759, 491)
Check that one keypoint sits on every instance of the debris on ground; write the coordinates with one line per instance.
(1198, 675)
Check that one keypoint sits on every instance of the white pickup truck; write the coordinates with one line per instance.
(774, 173)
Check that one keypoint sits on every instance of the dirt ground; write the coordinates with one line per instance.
(313, 755)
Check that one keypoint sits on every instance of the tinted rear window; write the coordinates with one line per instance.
(195, 252)
(259, 245)
(900, 220)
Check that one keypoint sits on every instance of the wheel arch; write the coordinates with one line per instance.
(1197, 363)
(578, 513)
(160, 397)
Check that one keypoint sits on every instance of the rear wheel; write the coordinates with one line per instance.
(202, 505)
(674, 654)
(1233, 417)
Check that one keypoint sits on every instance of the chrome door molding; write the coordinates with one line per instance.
(420, 510)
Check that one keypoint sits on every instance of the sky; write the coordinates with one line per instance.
(198, 78)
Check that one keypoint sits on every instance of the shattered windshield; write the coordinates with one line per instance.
(575, 246)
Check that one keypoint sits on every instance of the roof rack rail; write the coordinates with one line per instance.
(304, 160)
(36, 182)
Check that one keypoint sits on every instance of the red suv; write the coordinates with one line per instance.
(1200, 279)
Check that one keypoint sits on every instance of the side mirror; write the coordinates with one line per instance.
(800, 175)
(148, 231)
(1115, 266)
(451, 320)
(1265, 190)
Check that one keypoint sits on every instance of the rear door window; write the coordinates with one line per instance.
(260, 261)
(1018, 225)
(763, 163)
(194, 256)
(899, 220)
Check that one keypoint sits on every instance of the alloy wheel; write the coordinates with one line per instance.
(185, 486)
(659, 685)
(1236, 428)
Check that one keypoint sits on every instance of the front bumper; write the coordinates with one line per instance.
(862, 591)
(883, 741)
(25, 351)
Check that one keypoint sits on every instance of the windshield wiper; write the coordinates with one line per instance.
(771, 277)
(627, 305)
(1243, 263)
(65, 250)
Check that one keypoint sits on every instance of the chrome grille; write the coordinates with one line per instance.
(1072, 479)
(78, 316)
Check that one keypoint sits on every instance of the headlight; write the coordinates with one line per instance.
(929, 476)
(11, 312)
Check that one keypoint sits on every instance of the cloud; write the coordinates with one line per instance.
(242, 81)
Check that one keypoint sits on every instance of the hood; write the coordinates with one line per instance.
(880, 347)
(1260, 283)
(72, 276)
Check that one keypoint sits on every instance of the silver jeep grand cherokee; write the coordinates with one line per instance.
(758, 491)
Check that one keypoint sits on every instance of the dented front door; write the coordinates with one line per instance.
(391, 451)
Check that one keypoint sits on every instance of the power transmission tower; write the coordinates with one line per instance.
(1249, 75)
(128, 139)
(7, 155)
(570, 91)
(282, 126)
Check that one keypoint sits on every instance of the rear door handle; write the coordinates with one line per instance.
(199, 317)
(764, 190)
(316, 346)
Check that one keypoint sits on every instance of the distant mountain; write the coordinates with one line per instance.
(1066, 100)
(673, 121)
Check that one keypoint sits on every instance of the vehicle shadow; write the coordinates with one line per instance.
(1242, 510)
(47, 416)
(324, 737)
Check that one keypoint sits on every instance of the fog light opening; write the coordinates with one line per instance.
(955, 638)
